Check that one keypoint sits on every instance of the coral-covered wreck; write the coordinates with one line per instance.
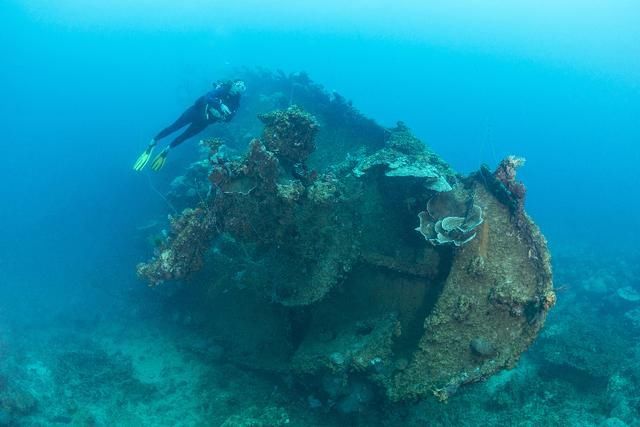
(350, 257)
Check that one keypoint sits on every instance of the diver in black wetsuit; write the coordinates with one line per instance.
(217, 105)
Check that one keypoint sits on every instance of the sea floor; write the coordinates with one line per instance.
(150, 366)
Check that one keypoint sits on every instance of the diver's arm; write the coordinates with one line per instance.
(224, 109)
(231, 106)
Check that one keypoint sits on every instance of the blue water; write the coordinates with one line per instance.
(85, 87)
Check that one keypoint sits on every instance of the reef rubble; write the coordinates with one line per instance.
(350, 257)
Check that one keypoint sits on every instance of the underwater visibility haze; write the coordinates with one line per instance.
(393, 214)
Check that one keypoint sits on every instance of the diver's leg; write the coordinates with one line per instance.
(185, 118)
(193, 129)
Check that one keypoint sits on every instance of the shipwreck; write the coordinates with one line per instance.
(350, 257)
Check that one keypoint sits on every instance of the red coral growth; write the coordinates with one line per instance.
(262, 163)
(183, 252)
(259, 168)
(506, 174)
(290, 133)
(256, 199)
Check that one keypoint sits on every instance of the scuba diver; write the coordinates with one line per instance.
(217, 105)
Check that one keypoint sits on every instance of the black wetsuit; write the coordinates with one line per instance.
(198, 117)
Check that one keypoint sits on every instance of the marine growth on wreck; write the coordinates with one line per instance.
(349, 257)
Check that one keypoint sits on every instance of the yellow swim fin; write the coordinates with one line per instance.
(160, 160)
(144, 158)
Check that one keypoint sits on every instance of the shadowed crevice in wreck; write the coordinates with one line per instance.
(408, 342)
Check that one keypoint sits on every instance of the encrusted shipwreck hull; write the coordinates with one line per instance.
(353, 257)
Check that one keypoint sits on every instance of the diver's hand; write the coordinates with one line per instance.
(225, 110)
